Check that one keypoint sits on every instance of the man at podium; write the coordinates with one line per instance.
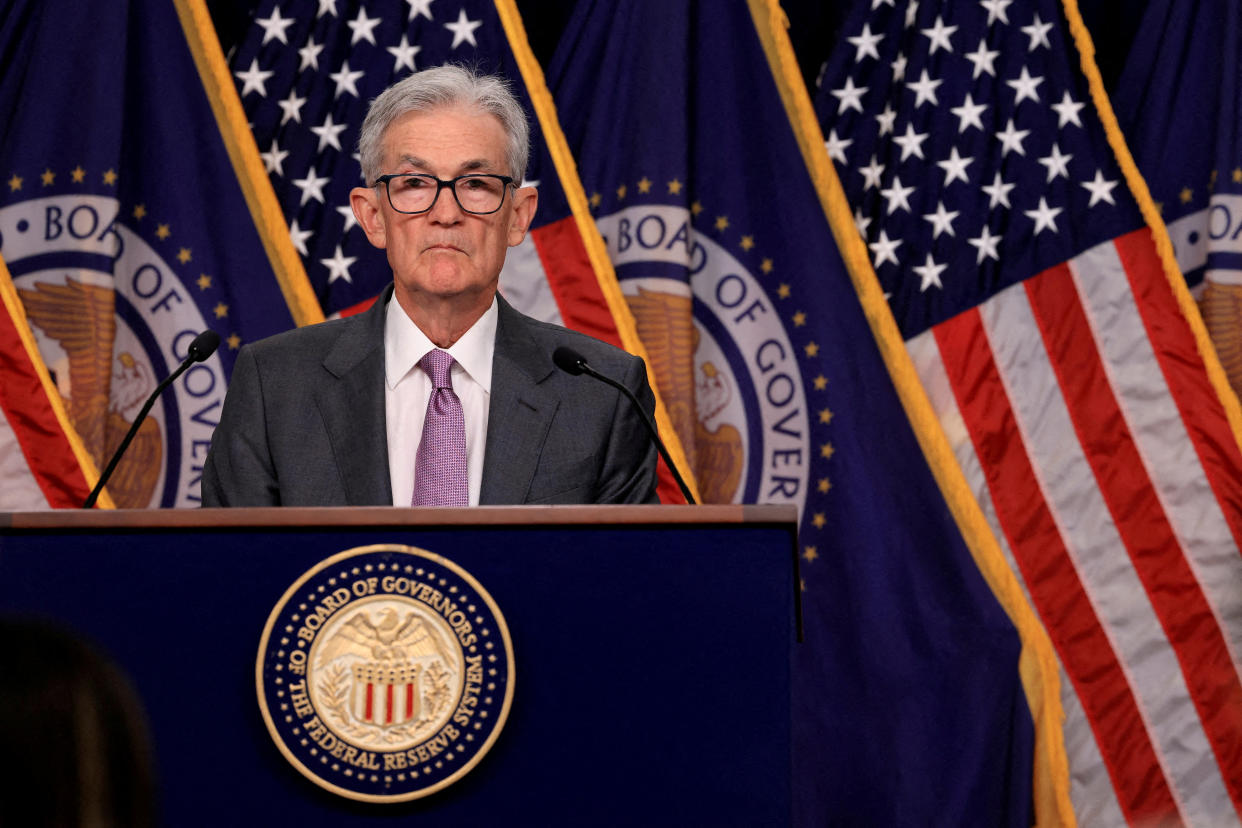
(441, 394)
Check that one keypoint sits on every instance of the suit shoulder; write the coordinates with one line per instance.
(309, 343)
(300, 338)
(595, 350)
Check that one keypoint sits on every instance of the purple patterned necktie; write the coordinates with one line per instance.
(440, 465)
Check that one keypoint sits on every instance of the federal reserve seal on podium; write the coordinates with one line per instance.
(385, 673)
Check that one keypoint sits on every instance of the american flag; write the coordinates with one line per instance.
(1069, 371)
(42, 462)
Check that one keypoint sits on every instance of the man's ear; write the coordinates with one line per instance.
(365, 202)
(525, 199)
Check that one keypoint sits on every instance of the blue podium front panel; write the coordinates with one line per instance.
(651, 659)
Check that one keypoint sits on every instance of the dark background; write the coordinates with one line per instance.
(813, 28)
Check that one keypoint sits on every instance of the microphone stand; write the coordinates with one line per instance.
(572, 362)
(203, 346)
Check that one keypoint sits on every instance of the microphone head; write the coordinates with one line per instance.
(204, 345)
(569, 360)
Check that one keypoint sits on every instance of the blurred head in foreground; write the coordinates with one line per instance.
(73, 734)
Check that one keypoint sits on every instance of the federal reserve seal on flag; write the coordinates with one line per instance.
(124, 244)
(113, 313)
(385, 673)
(725, 365)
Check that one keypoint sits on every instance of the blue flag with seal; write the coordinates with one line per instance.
(1179, 103)
(909, 705)
(131, 219)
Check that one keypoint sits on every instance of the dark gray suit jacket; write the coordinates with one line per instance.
(303, 421)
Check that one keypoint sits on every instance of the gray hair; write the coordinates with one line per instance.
(444, 86)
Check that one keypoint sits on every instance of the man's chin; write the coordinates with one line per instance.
(449, 284)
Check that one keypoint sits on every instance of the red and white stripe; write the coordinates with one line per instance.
(1083, 418)
(38, 468)
(385, 703)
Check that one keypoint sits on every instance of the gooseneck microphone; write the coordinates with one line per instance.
(572, 362)
(203, 346)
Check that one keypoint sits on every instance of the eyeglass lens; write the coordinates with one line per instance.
(475, 193)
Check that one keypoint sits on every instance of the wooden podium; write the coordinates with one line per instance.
(651, 644)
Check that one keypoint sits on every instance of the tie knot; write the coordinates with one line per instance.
(438, 364)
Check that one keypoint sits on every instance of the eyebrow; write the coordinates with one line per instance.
(472, 164)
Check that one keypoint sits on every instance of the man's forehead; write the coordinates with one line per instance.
(456, 136)
(418, 162)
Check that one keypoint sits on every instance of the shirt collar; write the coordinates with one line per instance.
(405, 345)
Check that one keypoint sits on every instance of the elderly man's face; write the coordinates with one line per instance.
(445, 253)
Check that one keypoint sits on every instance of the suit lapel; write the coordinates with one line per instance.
(353, 408)
(519, 413)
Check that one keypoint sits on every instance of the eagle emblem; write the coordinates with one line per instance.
(97, 388)
(665, 323)
(393, 638)
(719, 466)
(1221, 306)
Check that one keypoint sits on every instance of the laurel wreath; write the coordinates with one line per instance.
(435, 699)
(334, 690)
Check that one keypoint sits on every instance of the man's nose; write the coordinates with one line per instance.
(446, 209)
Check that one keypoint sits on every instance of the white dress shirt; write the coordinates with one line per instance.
(407, 388)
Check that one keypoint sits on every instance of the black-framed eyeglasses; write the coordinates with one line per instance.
(477, 193)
